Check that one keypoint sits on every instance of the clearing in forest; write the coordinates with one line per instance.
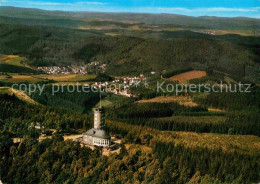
(195, 74)
(182, 100)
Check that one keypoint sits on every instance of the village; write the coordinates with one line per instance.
(63, 70)
(121, 85)
(81, 69)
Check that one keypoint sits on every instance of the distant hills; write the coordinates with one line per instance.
(76, 19)
(130, 44)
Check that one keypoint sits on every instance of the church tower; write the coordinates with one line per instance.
(99, 119)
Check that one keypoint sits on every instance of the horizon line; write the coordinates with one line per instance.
(125, 12)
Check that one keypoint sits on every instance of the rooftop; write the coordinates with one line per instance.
(98, 133)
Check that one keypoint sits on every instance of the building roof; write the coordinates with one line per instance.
(98, 133)
(101, 109)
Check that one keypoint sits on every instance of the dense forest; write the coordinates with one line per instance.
(212, 139)
(18, 116)
(54, 160)
(70, 163)
(137, 124)
(241, 117)
(77, 101)
(233, 101)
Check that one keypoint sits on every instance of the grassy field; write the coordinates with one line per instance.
(71, 83)
(4, 77)
(14, 78)
(7, 68)
(195, 74)
(14, 60)
(66, 79)
(109, 101)
(14, 64)
(20, 95)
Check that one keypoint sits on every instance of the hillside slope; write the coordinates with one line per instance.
(20, 95)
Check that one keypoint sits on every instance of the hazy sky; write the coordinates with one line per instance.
(227, 8)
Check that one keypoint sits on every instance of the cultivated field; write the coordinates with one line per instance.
(195, 74)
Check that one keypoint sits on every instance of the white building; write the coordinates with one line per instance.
(97, 136)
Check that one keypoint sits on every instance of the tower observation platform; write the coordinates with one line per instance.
(97, 136)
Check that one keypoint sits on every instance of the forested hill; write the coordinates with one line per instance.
(131, 44)
(127, 55)
(240, 23)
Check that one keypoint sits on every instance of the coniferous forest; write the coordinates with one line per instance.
(201, 137)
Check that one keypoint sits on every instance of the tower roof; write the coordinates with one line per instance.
(98, 133)
(101, 108)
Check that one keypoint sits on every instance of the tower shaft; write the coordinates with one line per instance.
(99, 119)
